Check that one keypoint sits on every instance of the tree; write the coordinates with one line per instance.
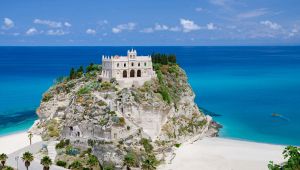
(30, 135)
(72, 73)
(27, 158)
(291, 153)
(3, 158)
(79, 72)
(92, 161)
(46, 162)
(76, 165)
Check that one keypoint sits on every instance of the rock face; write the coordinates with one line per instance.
(113, 120)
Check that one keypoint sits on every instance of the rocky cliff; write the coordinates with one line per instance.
(146, 122)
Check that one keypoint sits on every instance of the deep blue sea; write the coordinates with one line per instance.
(242, 86)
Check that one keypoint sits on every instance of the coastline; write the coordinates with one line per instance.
(13, 142)
(224, 154)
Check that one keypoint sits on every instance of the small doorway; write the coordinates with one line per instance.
(124, 74)
(132, 73)
(139, 74)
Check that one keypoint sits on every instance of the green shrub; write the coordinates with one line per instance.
(92, 67)
(108, 166)
(146, 144)
(101, 103)
(131, 159)
(177, 145)
(61, 163)
(76, 165)
(121, 121)
(292, 154)
(83, 90)
(164, 91)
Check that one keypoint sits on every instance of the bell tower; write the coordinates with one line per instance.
(131, 54)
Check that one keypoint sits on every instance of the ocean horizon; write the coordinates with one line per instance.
(241, 87)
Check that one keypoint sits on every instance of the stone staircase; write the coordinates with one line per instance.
(51, 150)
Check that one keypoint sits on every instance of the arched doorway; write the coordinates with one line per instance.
(124, 74)
(139, 74)
(131, 73)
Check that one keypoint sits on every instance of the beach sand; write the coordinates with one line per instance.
(224, 154)
(14, 142)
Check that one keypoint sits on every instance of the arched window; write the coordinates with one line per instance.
(124, 64)
(132, 64)
(131, 73)
(139, 73)
(139, 64)
(124, 74)
(145, 64)
(118, 65)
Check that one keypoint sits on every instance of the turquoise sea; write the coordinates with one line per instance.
(241, 86)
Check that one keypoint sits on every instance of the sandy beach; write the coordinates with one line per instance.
(14, 142)
(224, 154)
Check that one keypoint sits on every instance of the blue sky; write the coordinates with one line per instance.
(152, 22)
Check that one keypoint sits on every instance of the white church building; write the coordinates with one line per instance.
(127, 70)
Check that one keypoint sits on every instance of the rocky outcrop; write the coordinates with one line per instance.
(114, 120)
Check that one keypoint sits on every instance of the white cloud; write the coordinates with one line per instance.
(211, 26)
(147, 30)
(31, 31)
(116, 30)
(8, 23)
(175, 29)
(91, 31)
(199, 9)
(67, 24)
(252, 14)
(293, 32)
(188, 25)
(52, 24)
(56, 32)
(119, 28)
(159, 27)
(272, 25)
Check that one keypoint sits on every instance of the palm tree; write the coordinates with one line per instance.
(3, 158)
(92, 161)
(46, 162)
(30, 135)
(27, 158)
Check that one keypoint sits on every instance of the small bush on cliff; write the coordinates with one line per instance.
(61, 163)
(76, 165)
(150, 162)
(131, 159)
(292, 153)
(47, 96)
(83, 90)
(52, 129)
(62, 144)
(92, 67)
(146, 144)
(108, 166)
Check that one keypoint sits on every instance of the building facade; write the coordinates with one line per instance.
(127, 70)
